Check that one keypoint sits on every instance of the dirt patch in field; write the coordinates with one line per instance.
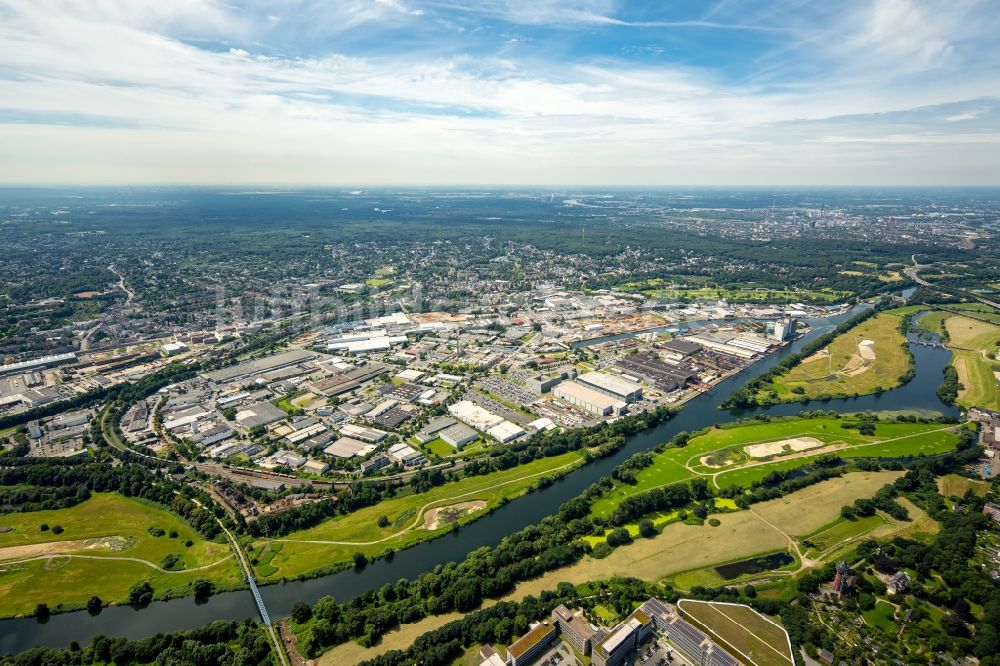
(113, 543)
(822, 354)
(446, 515)
(793, 445)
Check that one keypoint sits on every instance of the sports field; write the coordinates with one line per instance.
(104, 549)
(871, 356)
(746, 634)
(682, 464)
(337, 539)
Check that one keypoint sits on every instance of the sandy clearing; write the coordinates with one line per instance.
(866, 350)
(822, 354)
(793, 444)
(56, 547)
(433, 518)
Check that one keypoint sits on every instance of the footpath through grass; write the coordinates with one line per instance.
(337, 539)
(65, 570)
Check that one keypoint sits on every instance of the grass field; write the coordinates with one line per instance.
(843, 370)
(823, 499)
(974, 345)
(681, 464)
(844, 530)
(748, 635)
(337, 539)
(978, 309)
(954, 485)
(439, 447)
(883, 616)
(105, 526)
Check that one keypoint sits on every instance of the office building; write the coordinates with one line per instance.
(575, 628)
(530, 646)
(624, 640)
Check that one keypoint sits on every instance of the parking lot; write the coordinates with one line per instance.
(560, 654)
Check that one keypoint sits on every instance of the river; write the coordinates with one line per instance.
(20, 634)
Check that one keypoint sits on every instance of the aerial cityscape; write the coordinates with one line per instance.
(310, 354)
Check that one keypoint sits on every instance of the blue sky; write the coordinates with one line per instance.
(591, 92)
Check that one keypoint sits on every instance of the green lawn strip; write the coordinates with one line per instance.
(361, 529)
(841, 531)
(439, 447)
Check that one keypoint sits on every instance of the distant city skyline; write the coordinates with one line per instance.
(516, 92)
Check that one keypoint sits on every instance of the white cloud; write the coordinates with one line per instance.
(105, 92)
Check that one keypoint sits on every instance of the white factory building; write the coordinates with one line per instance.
(505, 431)
(473, 415)
(612, 385)
(586, 398)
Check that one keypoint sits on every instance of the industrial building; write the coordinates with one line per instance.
(784, 330)
(431, 431)
(173, 348)
(473, 415)
(623, 640)
(543, 383)
(588, 399)
(347, 447)
(43, 362)
(373, 464)
(505, 431)
(260, 414)
(458, 435)
(406, 455)
(370, 435)
(650, 368)
(262, 365)
(612, 385)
